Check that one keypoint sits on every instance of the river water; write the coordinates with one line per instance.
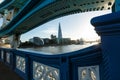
(58, 49)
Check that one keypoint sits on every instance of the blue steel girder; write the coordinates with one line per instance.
(9, 4)
(4, 32)
(47, 10)
(5, 4)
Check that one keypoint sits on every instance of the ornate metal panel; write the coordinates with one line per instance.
(20, 63)
(8, 57)
(44, 72)
(2, 55)
(88, 73)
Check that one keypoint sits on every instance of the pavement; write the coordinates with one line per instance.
(7, 74)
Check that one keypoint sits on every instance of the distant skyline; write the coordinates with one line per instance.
(74, 26)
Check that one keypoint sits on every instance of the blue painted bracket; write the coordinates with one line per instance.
(108, 27)
(67, 63)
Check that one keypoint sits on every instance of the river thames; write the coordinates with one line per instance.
(58, 49)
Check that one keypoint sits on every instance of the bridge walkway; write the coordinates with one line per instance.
(7, 74)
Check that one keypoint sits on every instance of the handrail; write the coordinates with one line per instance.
(69, 66)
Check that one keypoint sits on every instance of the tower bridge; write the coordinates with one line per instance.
(93, 63)
(36, 13)
(50, 9)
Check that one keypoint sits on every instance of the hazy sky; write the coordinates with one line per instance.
(74, 26)
(1, 1)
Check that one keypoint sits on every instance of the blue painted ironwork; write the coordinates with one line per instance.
(22, 12)
(108, 27)
(21, 15)
(44, 72)
(20, 63)
(8, 57)
(5, 4)
(37, 66)
(89, 73)
(48, 10)
(2, 55)
(69, 66)
(117, 5)
(8, 4)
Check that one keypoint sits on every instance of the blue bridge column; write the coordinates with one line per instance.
(108, 27)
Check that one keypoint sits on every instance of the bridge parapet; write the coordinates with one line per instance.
(82, 64)
(108, 27)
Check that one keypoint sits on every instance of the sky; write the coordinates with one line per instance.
(73, 26)
(1, 1)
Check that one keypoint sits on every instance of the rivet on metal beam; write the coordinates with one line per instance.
(88, 3)
(108, 8)
(97, 1)
(102, 1)
(94, 9)
(110, 3)
(74, 4)
(81, 5)
(93, 2)
(90, 9)
(102, 7)
(87, 10)
(84, 4)
(98, 8)
(84, 10)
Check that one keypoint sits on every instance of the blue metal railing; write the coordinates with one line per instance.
(69, 66)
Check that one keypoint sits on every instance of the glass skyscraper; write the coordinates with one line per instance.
(59, 35)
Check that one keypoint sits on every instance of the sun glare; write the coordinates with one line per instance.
(75, 26)
(1, 1)
(89, 34)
